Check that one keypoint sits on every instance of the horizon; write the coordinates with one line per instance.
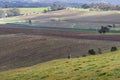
(70, 1)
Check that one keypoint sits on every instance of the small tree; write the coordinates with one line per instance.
(29, 21)
(85, 6)
(91, 52)
(44, 11)
(114, 25)
(104, 29)
(69, 56)
(113, 49)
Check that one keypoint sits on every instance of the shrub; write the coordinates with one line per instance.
(91, 52)
(69, 56)
(113, 49)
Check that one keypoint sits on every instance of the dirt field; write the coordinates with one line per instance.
(21, 47)
(61, 33)
(19, 50)
(75, 19)
(68, 18)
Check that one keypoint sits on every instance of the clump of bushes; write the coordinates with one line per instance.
(91, 52)
(113, 49)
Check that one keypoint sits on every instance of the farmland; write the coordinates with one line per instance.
(54, 35)
(99, 67)
(68, 18)
(21, 47)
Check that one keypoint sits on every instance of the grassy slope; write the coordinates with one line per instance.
(99, 67)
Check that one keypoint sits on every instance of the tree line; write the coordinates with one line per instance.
(9, 12)
(101, 6)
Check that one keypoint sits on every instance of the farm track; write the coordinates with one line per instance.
(61, 33)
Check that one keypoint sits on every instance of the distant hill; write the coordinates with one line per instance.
(79, 1)
(39, 3)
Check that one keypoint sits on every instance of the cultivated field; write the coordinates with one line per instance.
(71, 18)
(54, 35)
(68, 18)
(20, 47)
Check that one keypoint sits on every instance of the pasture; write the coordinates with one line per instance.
(99, 67)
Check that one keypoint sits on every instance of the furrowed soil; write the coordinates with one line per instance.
(22, 47)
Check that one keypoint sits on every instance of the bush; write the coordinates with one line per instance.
(113, 49)
(91, 52)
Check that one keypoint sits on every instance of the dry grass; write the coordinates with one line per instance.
(99, 67)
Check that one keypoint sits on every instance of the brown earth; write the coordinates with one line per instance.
(61, 33)
(21, 47)
(74, 18)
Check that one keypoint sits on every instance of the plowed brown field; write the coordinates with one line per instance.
(21, 47)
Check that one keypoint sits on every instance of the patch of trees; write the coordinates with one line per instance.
(56, 7)
(9, 12)
(113, 48)
(105, 29)
(101, 6)
(93, 52)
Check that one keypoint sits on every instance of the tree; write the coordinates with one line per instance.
(29, 21)
(114, 25)
(44, 11)
(91, 51)
(113, 49)
(85, 6)
(69, 56)
(13, 12)
(104, 29)
(56, 7)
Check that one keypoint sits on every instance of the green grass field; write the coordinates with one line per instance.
(23, 11)
(28, 10)
(11, 20)
(98, 67)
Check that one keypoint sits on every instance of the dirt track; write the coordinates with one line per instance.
(69, 34)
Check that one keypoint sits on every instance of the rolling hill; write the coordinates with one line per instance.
(22, 47)
(99, 67)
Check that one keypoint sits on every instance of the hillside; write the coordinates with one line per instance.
(67, 18)
(25, 49)
(99, 67)
(74, 18)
